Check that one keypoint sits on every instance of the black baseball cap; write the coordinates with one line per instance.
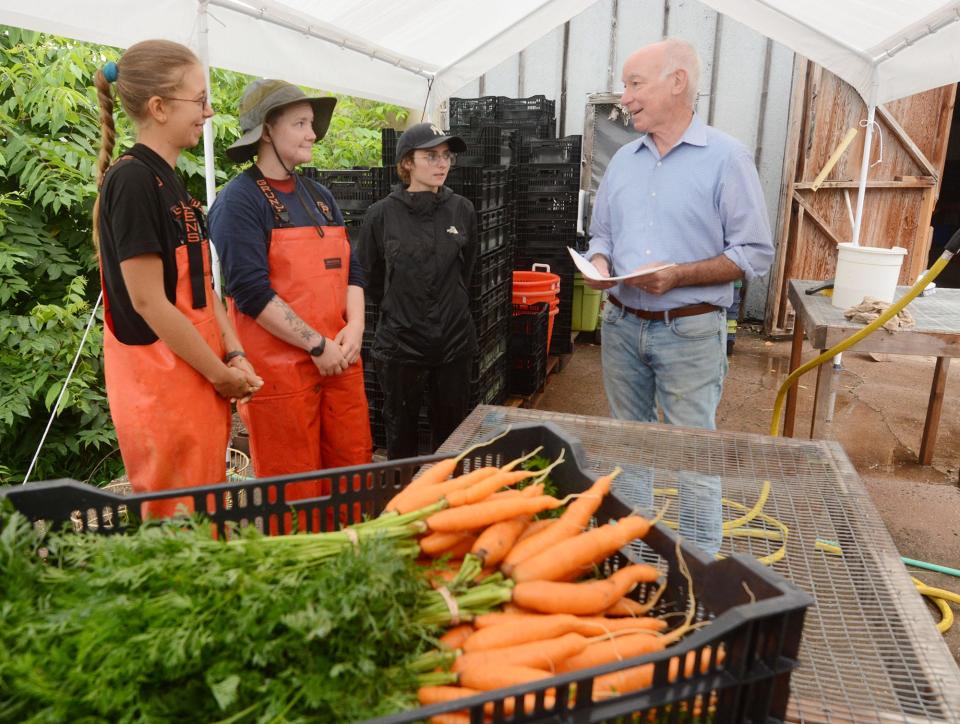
(427, 135)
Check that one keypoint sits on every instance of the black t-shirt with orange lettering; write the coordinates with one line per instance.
(134, 220)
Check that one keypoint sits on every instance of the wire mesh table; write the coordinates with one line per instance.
(870, 650)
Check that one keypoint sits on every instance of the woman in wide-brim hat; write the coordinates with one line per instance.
(296, 292)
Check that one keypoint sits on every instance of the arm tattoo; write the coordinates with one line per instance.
(297, 325)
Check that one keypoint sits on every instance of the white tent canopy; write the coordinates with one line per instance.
(885, 49)
(377, 49)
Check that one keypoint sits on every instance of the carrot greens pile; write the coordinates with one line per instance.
(168, 624)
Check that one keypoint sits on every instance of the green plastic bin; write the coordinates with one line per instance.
(586, 306)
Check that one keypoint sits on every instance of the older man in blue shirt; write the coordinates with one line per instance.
(688, 194)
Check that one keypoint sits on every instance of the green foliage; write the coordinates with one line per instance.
(166, 624)
(49, 140)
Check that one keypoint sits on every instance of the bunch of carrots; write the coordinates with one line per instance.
(559, 618)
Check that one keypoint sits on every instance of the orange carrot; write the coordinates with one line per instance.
(442, 694)
(487, 678)
(436, 473)
(480, 515)
(575, 556)
(436, 543)
(615, 649)
(546, 654)
(494, 543)
(404, 501)
(597, 625)
(574, 519)
(535, 527)
(460, 549)
(530, 491)
(454, 717)
(589, 597)
(487, 487)
(513, 633)
(627, 607)
(454, 637)
(536, 626)
(443, 469)
(640, 677)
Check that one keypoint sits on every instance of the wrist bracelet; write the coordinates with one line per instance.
(233, 355)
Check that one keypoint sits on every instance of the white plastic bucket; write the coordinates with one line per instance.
(866, 271)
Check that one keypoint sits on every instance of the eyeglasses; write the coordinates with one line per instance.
(201, 101)
(433, 158)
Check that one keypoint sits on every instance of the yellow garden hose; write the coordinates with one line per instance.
(738, 528)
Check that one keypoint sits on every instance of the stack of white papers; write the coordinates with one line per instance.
(589, 271)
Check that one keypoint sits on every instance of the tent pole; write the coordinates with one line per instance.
(864, 170)
(209, 169)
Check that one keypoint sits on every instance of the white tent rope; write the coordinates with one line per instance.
(863, 124)
(63, 390)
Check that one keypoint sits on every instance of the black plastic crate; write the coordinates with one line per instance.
(491, 308)
(484, 186)
(491, 218)
(547, 235)
(491, 346)
(491, 387)
(352, 189)
(493, 240)
(547, 206)
(526, 374)
(528, 348)
(389, 180)
(491, 270)
(537, 177)
(388, 146)
(528, 329)
(754, 616)
(525, 107)
(463, 111)
(486, 145)
(353, 220)
(554, 150)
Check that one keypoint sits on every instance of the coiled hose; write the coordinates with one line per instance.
(952, 247)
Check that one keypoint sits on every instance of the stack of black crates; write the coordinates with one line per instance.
(544, 186)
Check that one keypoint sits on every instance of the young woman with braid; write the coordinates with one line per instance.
(173, 362)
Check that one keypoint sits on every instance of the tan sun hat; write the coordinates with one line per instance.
(265, 95)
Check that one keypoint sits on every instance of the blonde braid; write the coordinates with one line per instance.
(108, 139)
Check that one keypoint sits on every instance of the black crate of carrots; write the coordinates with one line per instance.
(736, 667)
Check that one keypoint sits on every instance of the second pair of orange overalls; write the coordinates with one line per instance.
(301, 420)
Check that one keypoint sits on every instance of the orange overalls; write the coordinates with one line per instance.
(172, 426)
(301, 420)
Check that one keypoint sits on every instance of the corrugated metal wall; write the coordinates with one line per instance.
(745, 79)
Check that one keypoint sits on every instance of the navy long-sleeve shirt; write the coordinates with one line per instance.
(241, 221)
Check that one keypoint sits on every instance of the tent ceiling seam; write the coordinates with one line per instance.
(261, 13)
(507, 29)
(904, 40)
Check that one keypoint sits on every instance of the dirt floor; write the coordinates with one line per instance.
(878, 419)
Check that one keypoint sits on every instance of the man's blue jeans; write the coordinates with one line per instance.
(678, 365)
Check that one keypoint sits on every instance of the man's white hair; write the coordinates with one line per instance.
(681, 55)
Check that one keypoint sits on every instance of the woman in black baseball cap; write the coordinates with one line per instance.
(418, 247)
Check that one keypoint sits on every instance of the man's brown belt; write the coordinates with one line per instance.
(665, 316)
